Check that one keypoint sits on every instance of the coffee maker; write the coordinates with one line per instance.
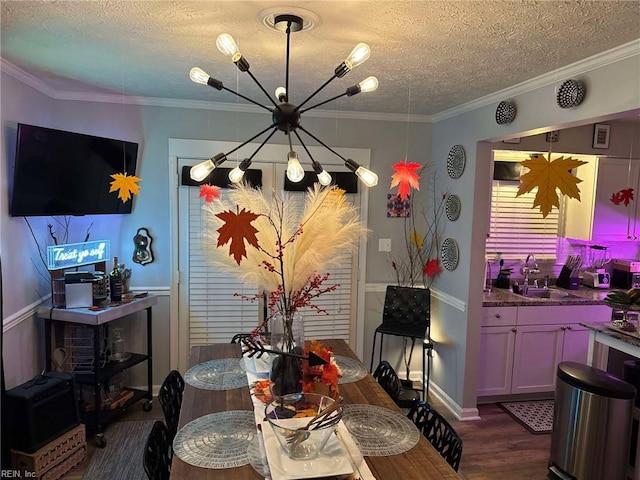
(595, 275)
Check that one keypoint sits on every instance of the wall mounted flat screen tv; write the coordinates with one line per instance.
(65, 173)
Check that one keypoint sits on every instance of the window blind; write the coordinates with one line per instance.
(516, 228)
(215, 314)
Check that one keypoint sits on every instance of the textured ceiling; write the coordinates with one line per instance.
(429, 56)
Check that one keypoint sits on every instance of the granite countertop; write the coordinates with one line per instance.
(632, 338)
(499, 297)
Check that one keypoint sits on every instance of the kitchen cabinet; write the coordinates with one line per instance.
(521, 347)
(596, 216)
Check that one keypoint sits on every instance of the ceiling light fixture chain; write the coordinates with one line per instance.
(285, 116)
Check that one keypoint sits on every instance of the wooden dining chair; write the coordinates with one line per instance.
(157, 453)
(388, 379)
(170, 397)
(438, 431)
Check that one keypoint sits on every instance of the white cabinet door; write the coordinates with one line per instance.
(496, 360)
(615, 220)
(575, 344)
(538, 351)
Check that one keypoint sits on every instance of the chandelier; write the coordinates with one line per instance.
(285, 116)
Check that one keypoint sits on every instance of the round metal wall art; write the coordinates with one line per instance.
(456, 161)
(452, 207)
(505, 113)
(570, 94)
(449, 254)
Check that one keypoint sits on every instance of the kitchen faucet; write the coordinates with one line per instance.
(526, 270)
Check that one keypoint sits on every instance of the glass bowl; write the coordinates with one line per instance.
(287, 413)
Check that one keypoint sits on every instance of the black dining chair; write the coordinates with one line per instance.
(170, 397)
(238, 337)
(157, 453)
(438, 431)
(388, 379)
(407, 313)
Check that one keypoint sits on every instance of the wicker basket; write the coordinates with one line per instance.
(56, 458)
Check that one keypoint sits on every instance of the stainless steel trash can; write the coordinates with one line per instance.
(591, 424)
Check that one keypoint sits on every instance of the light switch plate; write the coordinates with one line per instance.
(384, 245)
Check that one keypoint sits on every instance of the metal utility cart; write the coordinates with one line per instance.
(101, 369)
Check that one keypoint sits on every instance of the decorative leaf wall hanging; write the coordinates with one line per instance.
(405, 177)
(237, 228)
(624, 196)
(125, 185)
(209, 192)
(548, 176)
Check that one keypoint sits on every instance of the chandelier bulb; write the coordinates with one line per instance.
(236, 175)
(200, 171)
(227, 45)
(324, 178)
(295, 172)
(369, 84)
(369, 178)
(360, 54)
(281, 94)
(197, 75)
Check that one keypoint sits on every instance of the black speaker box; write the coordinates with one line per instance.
(40, 410)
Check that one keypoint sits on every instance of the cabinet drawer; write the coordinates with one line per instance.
(562, 314)
(499, 316)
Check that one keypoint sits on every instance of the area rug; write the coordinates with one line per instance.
(536, 416)
(121, 459)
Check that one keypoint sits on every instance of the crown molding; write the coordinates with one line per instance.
(22, 76)
(596, 61)
(42, 87)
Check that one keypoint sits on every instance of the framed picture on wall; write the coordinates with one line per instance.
(601, 135)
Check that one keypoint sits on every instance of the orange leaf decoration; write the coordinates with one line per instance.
(405, 178)
(548, 175)
(209, 192)
(237, 228)
(125, 185)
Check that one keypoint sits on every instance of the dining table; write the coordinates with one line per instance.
(420, 462)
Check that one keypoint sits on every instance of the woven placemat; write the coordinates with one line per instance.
(220, 374)
(378, 431)
(217, 440)
(352, 370)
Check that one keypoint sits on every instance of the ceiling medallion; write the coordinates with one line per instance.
(285, 116)
(267, 17)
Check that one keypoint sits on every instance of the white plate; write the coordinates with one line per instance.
(334, 459)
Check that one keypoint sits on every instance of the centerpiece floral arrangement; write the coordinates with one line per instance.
(280, 247)
(322, 379)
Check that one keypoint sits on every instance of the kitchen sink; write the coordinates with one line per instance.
(550, 293)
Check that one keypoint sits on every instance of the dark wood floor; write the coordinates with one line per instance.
(496, 447)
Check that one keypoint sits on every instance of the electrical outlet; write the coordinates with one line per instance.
(384, 245)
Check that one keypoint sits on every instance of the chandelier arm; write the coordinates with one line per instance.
(313, 161)
(262, 88)
(250, 140)
(322, 103)
(262, 144)
(322, 143)
(317, 91)
(286, 84)
(248, 99)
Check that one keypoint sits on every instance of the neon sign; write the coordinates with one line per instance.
(77, 254)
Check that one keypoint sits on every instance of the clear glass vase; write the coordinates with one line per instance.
(287, 335)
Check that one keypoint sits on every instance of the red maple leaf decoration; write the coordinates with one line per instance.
(431, 268)
(405, 177)
(237, 228)
(209, 192)
(623, 196)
